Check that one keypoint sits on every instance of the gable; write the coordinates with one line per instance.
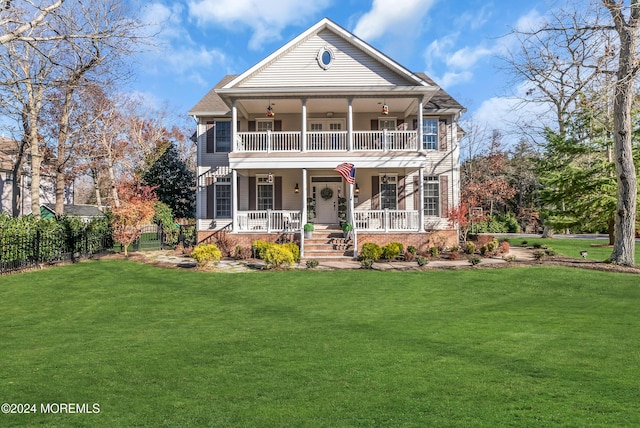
(298, 66)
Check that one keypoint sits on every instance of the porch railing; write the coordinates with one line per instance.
(327, 141)
(268, 221)
(386, 220)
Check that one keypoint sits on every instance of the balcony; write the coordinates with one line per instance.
(337, 141)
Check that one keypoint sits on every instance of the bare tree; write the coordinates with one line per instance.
(13, 27)
(626, 21)
(106, 34)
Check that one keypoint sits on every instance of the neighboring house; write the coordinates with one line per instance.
(9, 150)
(86, 213)
(270, 139)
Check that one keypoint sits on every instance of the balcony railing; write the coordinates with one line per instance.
(331, 141)
(268, 141)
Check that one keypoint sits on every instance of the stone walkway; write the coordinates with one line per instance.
(172, 259)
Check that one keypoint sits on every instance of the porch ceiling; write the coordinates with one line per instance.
(338, 106)
(329, 160)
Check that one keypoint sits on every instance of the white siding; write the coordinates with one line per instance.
(298, 67)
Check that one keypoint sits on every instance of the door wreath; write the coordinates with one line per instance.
(326, 193)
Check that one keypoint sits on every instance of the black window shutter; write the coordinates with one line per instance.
(211, 196)
(375, 192)
(211, 137)
(252, 193)
(277, 197)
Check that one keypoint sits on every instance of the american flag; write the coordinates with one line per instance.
(347, 171)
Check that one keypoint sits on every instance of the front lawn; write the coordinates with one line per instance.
(533, 346)
(597, 249)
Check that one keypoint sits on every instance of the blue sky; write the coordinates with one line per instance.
(457, 43)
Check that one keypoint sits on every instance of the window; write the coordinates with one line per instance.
(431, 196)
(388, 124)
(219, 136)
(264, 125)
(265, 193)
(430, 134)
(223, 197)
(325, 57)
(388, 192)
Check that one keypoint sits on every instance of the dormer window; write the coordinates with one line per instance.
(325, 57)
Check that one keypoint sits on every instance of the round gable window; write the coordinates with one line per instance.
(325, 57)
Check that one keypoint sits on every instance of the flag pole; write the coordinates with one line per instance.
(353, 223)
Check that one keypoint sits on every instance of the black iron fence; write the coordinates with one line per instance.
(50, 247)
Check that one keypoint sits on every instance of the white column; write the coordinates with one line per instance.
(303, 141)
(234, 125)
(234, 200)
(420, 206)
(350, 124)
(420, 131)
(303, 218)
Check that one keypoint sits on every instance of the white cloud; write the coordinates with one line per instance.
(467, 57)
(265, 18)
(398, 18)
(450, 79)
(176, 52)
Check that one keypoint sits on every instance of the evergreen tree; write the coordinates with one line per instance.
(174, 182)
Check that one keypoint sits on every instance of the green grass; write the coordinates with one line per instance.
(533, 346)
(597, 249)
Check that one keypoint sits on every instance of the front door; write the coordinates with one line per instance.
(327, 206)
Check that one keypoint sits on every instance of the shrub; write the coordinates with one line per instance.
(504, 247)
(474, 260)
(525, 242)
(455, 249)
(470, 248)
(409, 257)
(483, 250)
(259, 247)
(422, 260)
(492, 246)
(366, 264)
(538, 254)
(278, 256)
(537, 245)
(294, 248)
(205, 253)
(312, 264)
(370, 251)
(434, 252)
(392, 250)
(509, 258)
(309, 227)
(454, 255)
(550, 252)
(241, 253)
(413, 250)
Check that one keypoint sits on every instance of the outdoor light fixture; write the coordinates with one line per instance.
(270, 112)
(385, 179)
(357, 189)
(296, 189)
(385, 109)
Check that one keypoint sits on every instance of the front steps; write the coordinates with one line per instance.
(327, 244)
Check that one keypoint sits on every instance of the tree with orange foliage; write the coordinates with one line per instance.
(459, 218)
(136, 210)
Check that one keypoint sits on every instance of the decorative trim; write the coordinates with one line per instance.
(325, 57)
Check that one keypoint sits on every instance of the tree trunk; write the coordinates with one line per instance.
(625, 215)
(63, 135)
(16, 194)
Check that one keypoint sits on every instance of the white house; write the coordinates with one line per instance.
(271, 138)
